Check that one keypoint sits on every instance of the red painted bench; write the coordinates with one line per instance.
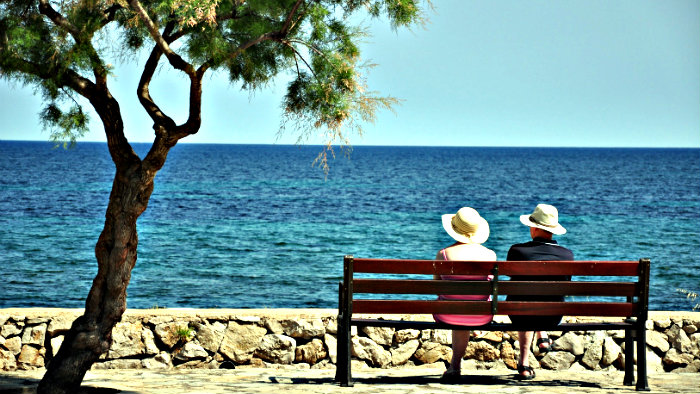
(625, 296)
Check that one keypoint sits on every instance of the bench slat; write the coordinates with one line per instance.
(622, 309)
(422, 325)
(539, 268)
(411, 286)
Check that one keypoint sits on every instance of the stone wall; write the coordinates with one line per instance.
(165, 338)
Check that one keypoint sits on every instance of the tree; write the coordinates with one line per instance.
(62, 46)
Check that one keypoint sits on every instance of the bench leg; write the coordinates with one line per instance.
(642, 383)
(629, 358)
(343, 372)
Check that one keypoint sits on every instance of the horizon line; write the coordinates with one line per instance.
(374, 145)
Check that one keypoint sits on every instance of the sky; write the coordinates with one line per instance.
(478, 73)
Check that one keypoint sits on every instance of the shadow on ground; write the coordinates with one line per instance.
(482, 380)
(13, 385)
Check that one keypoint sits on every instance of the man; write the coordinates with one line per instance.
(543, 223)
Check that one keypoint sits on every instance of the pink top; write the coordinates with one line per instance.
(463, 320)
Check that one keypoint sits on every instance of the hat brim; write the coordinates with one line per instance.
(479, 237)
(558, 230)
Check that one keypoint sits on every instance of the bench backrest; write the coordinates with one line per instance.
(628, 287)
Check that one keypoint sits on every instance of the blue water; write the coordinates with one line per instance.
(253, 226)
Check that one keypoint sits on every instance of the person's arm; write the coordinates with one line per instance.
(438, 257)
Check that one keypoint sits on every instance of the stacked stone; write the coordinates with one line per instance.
(192, 340)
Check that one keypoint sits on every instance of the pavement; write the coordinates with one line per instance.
(375, 381)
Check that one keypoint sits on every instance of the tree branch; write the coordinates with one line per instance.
(58, 19)
(288, 22)
(62, 22)
(175, 60)
(143, 93)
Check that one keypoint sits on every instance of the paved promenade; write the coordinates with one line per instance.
(375, 381)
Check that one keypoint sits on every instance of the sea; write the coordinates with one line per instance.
(258, 226)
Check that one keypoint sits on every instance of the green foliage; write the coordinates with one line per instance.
(253, 41)
(66, 126)
(185, 334)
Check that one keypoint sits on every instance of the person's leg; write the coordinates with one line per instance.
(544, 344)
(460, 339)
(525, 339)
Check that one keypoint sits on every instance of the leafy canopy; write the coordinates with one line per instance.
(65, 47)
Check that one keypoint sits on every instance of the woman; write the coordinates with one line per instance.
(470, 230)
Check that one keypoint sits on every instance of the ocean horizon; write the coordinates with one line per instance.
(256, 226)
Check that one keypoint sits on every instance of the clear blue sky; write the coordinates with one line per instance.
(480, 73)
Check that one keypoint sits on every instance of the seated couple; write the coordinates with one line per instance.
(470, 230)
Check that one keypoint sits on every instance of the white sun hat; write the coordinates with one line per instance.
(545, 217)
(466, 226)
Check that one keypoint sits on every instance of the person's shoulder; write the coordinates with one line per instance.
(522, 245)
(565, 252)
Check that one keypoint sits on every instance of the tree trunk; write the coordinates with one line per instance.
(91, 334)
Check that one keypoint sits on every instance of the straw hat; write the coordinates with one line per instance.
(545, 217)
(466, 226)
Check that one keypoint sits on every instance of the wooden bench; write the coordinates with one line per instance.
(613, 296)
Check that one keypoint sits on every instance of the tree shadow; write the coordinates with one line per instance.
(20, 385)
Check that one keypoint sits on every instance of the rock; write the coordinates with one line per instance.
(240, 341)
(611, 352)
(443, 337)
(508, 355)
(493, 336)
(310, 353)
(167, 333)
(189, 351)
(404, 351)
(210, 336)
(402, 336)
(558, 361)
(161, 360)
(594, 353)
(481, 351)
(673, 357)
(691, 368)
(127, 363)
(571, 343)
(247, 319)
(60, 325)
(430, 352)
(10, 330)
(156, 320)
(127, 340)
(658, 340)
(56, 343)
(380, 335)
(654, 362)
(331, 325)
(7, 360)
(332, 346)
(695, 345)
(4, 319)
(156, 363)
(34, 335)
(277, 348)
(366, 349)
(14, 345)
(303, 329)
(30, 356)
(663, 323)
(690, 329)
(679, 340)
(149, 342)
